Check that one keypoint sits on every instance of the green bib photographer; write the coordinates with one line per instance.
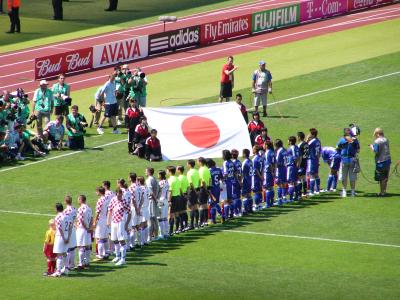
(61, 94)
(76, 124)
(42, 107)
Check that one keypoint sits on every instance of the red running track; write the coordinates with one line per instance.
(22, 61)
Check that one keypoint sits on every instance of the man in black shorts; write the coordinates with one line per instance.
(111, 105)
(227, 80)
(174, 197)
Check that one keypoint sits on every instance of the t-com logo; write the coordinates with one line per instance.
(173, 40)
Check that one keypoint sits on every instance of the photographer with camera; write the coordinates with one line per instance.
(42, 108)
(22, 104)
(120, 81)
(76, 124)
(138, 83)
(54, 133)
(348, 147)
(382, 159)
(108, 91)
(3, 115)
(61, 94)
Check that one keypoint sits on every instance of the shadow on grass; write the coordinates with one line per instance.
(143, 256)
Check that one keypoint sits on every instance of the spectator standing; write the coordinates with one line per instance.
(61, 94)
(42, 107)
(113, 4)
(58, 10)
(262, 83)
(111, 105)
(227, 80)
(13, 13)
(382, 159)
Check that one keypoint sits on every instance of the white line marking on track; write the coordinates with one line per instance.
(273, 103)
(25, 213)
(334, 88)
(222, 50)
(311, 238)
(60, 156)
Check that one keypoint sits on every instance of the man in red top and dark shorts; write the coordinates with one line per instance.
(227, 80)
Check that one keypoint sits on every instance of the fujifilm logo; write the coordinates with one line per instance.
(174, 40)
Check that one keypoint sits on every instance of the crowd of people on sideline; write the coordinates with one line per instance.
(145, 209)
(120, 100)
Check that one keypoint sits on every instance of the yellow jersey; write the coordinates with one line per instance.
(49, 237)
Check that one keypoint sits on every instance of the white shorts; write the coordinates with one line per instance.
(260, 99)
(145, 215)
(59, 245)
(83, 238)
(163, 211)
(135, 220)
(118, 232)
(102, 230)
(72, 239)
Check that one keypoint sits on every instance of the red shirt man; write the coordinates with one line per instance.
(227, 80)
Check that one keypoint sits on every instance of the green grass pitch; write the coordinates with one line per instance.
(217, 263)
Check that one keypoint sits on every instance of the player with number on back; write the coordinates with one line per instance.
(228, 171)
(292, 162)
(163, 203)
(215, 191)
(247, 174)
(258, 167)
(237, 189)
(314, 152)
(269, 171)
(100, 223)
(63, 234)
(281, 172)
(70, 212)
(83, 229)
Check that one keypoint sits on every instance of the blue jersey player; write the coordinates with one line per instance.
(228, 171)
(215, 190)
(314, 152)
(281, 172)
(247, 175)
(236, 195)
(332, 157)
(292, 163)
(269, 171)
(258, 167)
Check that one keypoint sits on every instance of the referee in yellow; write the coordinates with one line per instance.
(174, 197)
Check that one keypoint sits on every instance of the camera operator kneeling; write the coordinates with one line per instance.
(76, 124)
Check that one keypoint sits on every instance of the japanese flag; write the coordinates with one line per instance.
(187, 132)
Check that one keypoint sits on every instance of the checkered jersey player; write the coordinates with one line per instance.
(84, 222)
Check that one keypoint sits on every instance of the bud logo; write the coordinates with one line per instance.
(67, 62)
(173, 40)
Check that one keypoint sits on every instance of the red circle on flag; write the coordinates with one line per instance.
(201, 132)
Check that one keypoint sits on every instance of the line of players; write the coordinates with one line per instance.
(148, 209)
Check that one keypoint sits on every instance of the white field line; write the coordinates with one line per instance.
(24, 213)
(273, 103)
(334, 88)
(364, 19)
(311, 238)
(60, 156)
(359, 20)
(191, 17)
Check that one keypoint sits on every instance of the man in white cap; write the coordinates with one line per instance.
(43, 104)
(262, 83)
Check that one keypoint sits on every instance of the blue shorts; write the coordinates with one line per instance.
(229, 189)
(268, 180)
(312, 167)
(335, 163)
(280, 175)
(256, 185)
(291, 174)
(246, 187)
(111, 110)
(236, 191)
(216, 192)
